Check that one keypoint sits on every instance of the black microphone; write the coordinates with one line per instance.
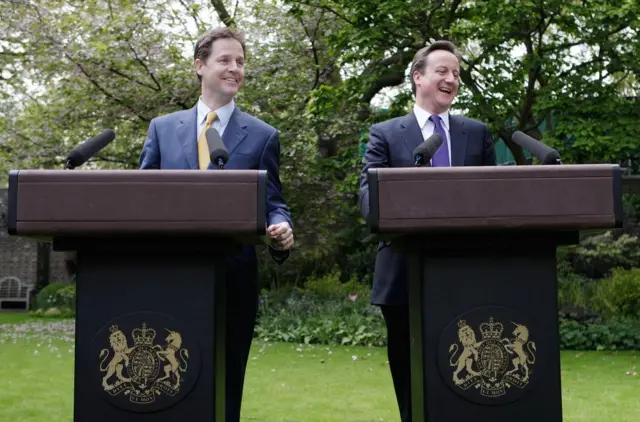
(217, 151)
(545, 154)
(425, 151)
(80, 154)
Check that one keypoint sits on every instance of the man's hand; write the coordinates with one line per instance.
(281, 236)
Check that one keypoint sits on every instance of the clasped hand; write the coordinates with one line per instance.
(281, 236)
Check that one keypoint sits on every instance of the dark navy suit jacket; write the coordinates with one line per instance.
(391, 144)
(252, 144)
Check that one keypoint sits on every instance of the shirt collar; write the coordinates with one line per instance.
(224, 113)
(423, 115)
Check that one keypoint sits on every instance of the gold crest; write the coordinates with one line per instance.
(494, 364)
(144, 370)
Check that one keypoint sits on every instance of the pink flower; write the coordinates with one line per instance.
(353, 297)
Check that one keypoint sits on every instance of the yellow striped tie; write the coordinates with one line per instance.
(203, 148)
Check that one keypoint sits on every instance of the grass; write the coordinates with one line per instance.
(288, 382)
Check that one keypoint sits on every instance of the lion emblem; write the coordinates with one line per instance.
(121, 351)
(467, 338)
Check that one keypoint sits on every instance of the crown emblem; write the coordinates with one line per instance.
(144, 335)
(462, 323)
(113, 328)
(491, 329)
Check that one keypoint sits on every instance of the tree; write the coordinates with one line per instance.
(524, 60)
(76, 68)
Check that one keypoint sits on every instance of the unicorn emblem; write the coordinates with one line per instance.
(168, 354)
(522, 359)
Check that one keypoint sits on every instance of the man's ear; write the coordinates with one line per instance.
(197, 65)
(417, 78)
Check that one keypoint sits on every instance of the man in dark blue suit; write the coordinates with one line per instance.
(434, 80)
(177, 141)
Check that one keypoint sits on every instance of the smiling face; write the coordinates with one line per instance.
(437, 85)
(222, 73)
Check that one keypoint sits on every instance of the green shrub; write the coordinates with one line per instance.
(619, 294)
(326, 312)
(619, 334)
(597, 255)
(356, 328)
(574, 290)
(57, 295)
(331, 286)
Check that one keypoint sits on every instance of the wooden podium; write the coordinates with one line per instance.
(481, 248)
(151, 245)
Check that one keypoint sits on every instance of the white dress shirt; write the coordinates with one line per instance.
(221, 121)
(427, 127)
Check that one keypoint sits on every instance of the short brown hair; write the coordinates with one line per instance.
(202, 50)
(420, 59)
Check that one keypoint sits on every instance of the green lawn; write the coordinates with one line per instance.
(288, 382)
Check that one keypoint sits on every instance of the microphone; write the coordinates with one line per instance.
(217, 151)
(425, 151)
(80, 154)
(545, 154)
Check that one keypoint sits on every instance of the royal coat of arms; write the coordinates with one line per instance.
(144, 370)
(494, 364)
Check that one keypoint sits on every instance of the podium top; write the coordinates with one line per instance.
(89, 203)
(558, 197)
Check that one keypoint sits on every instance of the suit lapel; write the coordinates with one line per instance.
(411, 133)
(235, 131)
(458, 134)
(187, 135)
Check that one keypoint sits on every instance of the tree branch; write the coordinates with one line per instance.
(122, 75)
(104, 91)
(144, 66)
(192, 12)
(530, 93)
(312, 39)
(110, 159)
(235, 9)
(427, 22)
(224, 16)
(579, 66)
(399, 60)
(566, 45)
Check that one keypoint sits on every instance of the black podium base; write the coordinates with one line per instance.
(150, 331)
(484, 328)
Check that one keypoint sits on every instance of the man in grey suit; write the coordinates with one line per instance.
(177, 141)
(434, 76)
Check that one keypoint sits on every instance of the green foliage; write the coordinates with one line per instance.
(84, 68)
(56, 299)
(594, 335)
(320, 71)
(631, 207)
(574, 290)
(331, 312)
(330, 286)
(326, 312)
(619, 294)
(597, 255)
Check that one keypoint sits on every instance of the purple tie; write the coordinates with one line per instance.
(441, 157)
